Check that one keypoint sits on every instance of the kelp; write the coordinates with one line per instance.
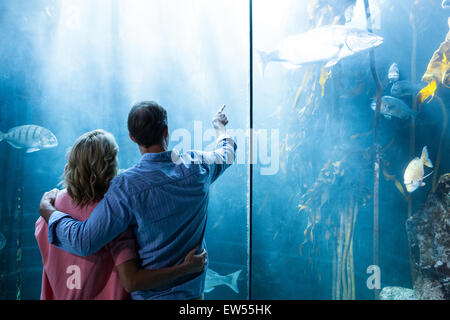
(324, 75)
(343, 269)
(309, 98)
(397, 183)
(333, 188)
(317, 196)
(336, 214)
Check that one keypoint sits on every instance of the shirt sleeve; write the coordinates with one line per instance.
(123, 248)
(109, 219)
(221, 158)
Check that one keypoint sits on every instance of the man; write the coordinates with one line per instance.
(164, 198)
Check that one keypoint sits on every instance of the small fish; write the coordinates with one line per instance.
(404, 88)
(393, 107)
(327, 44)
(32, 138)
(2, 241)
(445, 4)
(213, 279)
(393, 73)
(413, 177)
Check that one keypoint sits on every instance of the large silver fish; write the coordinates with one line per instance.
(327, 44)
(30, 137)
(393, 107)
(213, 279)
(445, 4)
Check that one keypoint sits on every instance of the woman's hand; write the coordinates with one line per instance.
(46, 207)
(195, 262)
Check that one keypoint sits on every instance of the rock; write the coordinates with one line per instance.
(429, 241)
(397, 293)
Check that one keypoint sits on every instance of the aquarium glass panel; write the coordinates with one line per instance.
(75, 66)
(344, 193)
(330, 216)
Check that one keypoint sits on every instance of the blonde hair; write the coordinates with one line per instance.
(91, 165)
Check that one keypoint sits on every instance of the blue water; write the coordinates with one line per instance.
(75, 66)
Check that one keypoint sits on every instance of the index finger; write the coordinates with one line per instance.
(221, 109)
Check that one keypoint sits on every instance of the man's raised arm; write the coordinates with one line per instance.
(109, 219)
(224, 154)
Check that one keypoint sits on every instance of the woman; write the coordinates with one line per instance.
(114, 271)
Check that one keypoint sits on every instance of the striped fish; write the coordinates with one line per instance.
(30, 137)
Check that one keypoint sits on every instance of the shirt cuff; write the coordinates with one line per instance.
(55, 217)
(225, 140)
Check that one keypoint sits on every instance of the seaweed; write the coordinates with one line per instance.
(336, 214)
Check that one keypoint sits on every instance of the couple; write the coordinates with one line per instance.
(158, 208)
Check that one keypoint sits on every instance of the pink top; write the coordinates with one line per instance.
(70, 277)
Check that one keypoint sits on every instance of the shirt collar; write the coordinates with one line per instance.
(160, 157)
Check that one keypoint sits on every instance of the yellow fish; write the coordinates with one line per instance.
(413, 177)
(437, 71)
(426, 92)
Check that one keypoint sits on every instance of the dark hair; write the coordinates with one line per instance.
(146, 123)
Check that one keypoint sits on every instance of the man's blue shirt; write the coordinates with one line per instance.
(164, 198)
